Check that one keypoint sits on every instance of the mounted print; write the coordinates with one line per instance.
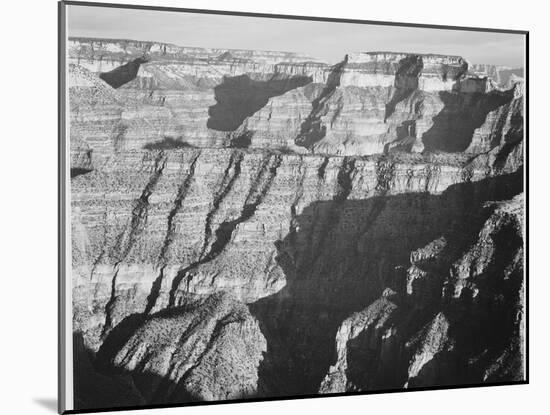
(256, 207)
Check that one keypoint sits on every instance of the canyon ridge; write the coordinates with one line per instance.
(250, 224)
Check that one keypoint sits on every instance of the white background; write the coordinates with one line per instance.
(28, 217)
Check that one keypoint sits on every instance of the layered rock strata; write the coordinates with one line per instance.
(169, 97)
(459, 318)
(207, 349)
(249, 224)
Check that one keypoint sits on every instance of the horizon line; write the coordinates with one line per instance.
(299, 54)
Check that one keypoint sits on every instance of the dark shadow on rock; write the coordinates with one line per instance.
(453, 127)
(99, 384)
(375, 363)
(95, 388)
(123, 74)
(117, 338)
(168, 143)
(312, 129)
(145, 382)
(406, 81)
(338, 257)
(243, 140)
(512, 139)
(341, 255)
(445, 369)
(405, 140)
(77, 171)
(238, 97)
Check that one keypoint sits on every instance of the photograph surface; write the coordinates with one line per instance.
(274, 208)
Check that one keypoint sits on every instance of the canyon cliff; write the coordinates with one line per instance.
(251, 224)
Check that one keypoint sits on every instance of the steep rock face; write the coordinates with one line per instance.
(93, 389)
(346, 210)
(144, 219)
(432, 337)
(369, 103)
(433, 72)
(93, 50)
(175, 97)
(503, 126)
(420, 103)
(367, 330)
(207, 349)
(261, 224)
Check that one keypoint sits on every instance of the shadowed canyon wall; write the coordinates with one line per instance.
(369, 103)
(252, 224)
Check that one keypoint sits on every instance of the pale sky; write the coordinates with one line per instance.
(324, 40)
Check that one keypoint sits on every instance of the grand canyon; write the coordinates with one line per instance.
(250, 224)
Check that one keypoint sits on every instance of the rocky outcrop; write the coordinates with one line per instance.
(369, 103)
(395, 102)
(253, 224)
(405, 70)
(207, 349)
(124, 73)
(94, 50)
(93, 389)
(171, 96)
(364, 342)
(167, 230)
(456, 319)
(502, 75)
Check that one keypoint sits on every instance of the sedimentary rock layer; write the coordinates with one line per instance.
(458, 319)
(369, 103)
(253, 224)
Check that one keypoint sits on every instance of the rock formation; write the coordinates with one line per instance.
(254, 224)
(458, 320)
(369, 103)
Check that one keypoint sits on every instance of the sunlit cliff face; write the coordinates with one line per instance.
(253, 223)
